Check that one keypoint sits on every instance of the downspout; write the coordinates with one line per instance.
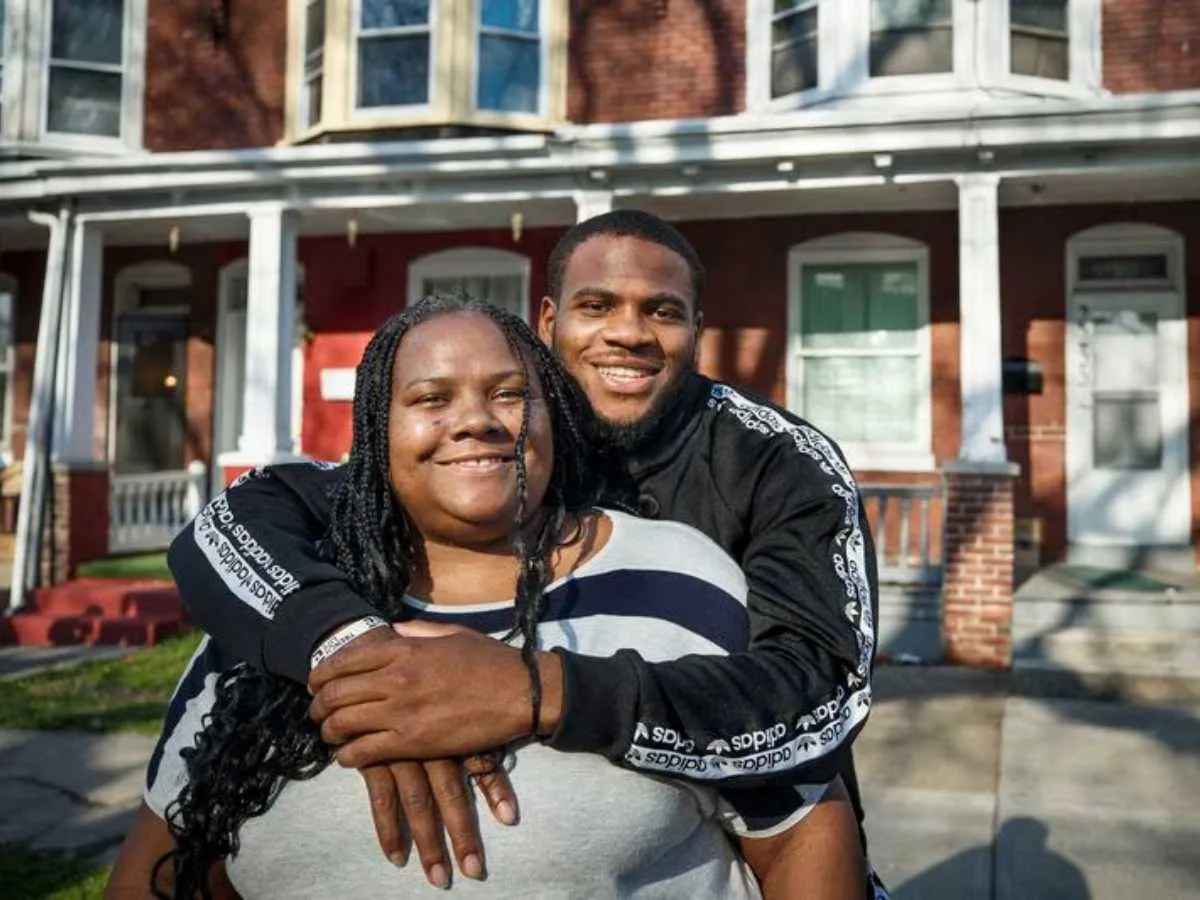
(35, 475)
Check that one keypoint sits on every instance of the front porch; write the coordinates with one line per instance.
(938, 404)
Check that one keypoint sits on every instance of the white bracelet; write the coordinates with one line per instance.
(343, 636)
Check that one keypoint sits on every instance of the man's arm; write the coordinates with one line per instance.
(250, 573)
(789, 707)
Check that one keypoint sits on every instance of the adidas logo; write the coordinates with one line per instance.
(719, 746)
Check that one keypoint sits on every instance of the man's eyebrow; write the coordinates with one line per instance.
(597, 293)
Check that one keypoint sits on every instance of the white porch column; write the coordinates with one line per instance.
(979, 317)
(270, 334)
(589, 204)
(75, 382)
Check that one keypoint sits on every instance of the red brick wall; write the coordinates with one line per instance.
(206, 92)
(348, 292)
(1151, 45)
(656, 59)
(1033, 245)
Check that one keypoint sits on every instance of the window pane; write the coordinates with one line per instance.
(794, 27)
(314, 28)
(793, 67)
(87, 30)
(516, 15)
(508, 74)
(1127, 267)
(863, 399)
(912, 52)
(394, 13)
(502, 290)
(900, 14)
(312, 101)
(6, 325)
(1050, 15)
(84, 102)
(1125, 352)
(1042, 57)
(859, 306)
(1126, 433)
(393, 71)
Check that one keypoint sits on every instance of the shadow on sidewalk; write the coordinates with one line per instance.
(969, 875)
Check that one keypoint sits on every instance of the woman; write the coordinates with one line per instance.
(469, 472)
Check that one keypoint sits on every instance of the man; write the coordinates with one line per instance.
(623, 316)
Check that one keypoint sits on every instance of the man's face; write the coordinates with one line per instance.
(626, 327)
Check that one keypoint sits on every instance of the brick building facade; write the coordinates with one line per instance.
(965, 207)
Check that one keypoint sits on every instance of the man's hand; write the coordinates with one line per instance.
(441, 694)
(433, 795)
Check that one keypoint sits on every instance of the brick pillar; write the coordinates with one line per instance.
(977, 591)
(76, 524)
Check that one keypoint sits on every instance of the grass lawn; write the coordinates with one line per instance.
(143, 565)
(125, 694)
(26, 875)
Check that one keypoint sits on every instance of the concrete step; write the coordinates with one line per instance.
(112, 598)
(36, 629)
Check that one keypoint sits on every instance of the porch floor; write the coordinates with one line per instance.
(97, 611)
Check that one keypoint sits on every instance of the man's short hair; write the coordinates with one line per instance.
(624, 223)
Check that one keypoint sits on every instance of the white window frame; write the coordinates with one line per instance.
(133, 80)
(856, 248)
(543, 39)
(9, 285)
(981, 62)
(470, 262)
(373, 112)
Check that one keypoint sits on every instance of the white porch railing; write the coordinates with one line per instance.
(906, 522)
(146, 511)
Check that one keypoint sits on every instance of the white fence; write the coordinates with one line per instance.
(146, 511)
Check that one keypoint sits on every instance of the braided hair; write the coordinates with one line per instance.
(258, 734)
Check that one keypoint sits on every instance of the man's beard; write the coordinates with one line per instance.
(629, 436)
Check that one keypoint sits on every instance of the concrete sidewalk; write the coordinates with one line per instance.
(970, 792)
(974, 793)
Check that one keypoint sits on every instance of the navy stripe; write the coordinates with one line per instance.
(213, 659)
(692, 603)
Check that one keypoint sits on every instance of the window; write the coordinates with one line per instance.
(1040, 38)
(496, 275)
(358, 65)
(86, 60)
(808, 52)
(793, 46)
(393, 52)
(8, 328)
(510, 51)
(911, 37)
(314, 62)
(859, 367)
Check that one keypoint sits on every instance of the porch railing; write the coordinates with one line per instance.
(146, 511)
(906, 522)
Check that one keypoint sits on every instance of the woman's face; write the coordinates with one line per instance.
(456, 409)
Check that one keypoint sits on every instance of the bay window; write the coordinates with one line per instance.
(358, 65)
(802, 52)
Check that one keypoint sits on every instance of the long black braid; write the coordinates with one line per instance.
(258, 734)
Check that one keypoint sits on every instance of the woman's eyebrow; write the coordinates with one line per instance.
(447, 380)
